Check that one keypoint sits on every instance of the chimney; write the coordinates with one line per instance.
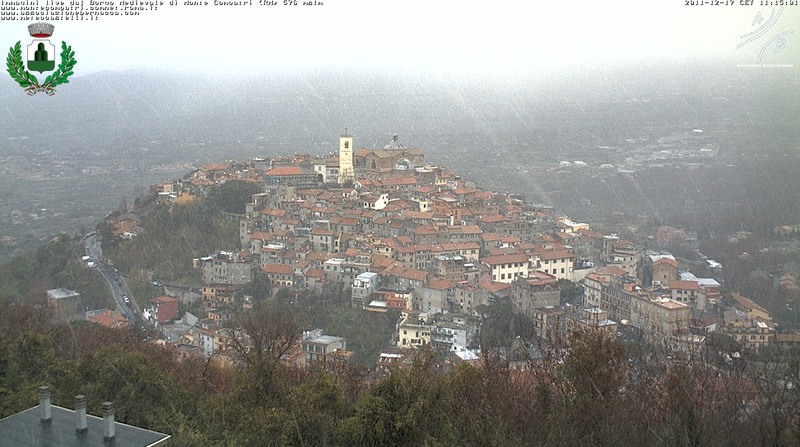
(44, 403)
(80, 413)
(108, 420)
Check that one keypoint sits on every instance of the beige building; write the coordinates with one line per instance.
(413, 331)
(688, 292)
(625, 255)
(549, 322)
(752, 334)
(378, 163)
(593, 289)
(558, 263)
(750, 308)
(346, 172)
(664, 270)
(660, 319)
(280, 275)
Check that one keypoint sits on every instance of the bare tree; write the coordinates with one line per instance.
(262, 337)
(774, 401)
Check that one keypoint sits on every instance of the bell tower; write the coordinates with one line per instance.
(346, 158)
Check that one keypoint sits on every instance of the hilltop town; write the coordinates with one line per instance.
(372, 297)
(415, 241)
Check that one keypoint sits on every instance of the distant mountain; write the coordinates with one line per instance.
(109, 111)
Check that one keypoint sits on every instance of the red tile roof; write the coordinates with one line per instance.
(439, 284)
(315, 273)
(669, 261)
(684, 285)
(559, 254)
(285, 170)
(278, 269)
(110, 319)
(494, 287)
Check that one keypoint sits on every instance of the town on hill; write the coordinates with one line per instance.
(371, 297)
(396, 235)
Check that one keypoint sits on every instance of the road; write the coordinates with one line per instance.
(115, 280)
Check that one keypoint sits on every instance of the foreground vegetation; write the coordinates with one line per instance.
(593, 393)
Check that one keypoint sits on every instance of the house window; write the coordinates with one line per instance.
(347, 145)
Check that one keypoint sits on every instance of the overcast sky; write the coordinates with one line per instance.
(428, 36)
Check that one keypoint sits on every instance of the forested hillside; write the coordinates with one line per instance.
(170, 237)
(25, 279)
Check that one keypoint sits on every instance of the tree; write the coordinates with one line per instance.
(317, 405)
(259, 287)
(260, 339)
(773, 378)
(233, 195)
(501, 325)
(401, 410)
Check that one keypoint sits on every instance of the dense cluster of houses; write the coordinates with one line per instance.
(414, 238)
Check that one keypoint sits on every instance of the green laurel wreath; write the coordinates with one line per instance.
(16, 68)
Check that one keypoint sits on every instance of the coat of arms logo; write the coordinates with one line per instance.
(41, 57)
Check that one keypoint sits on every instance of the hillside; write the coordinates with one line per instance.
(26, 278)
(168, 238)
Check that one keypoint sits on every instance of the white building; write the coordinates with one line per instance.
(506, 268)
(318, 347)
(362, 288)
(454, 336)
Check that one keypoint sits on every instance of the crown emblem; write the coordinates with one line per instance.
(40, 29)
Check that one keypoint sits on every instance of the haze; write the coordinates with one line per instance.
(419, 36)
